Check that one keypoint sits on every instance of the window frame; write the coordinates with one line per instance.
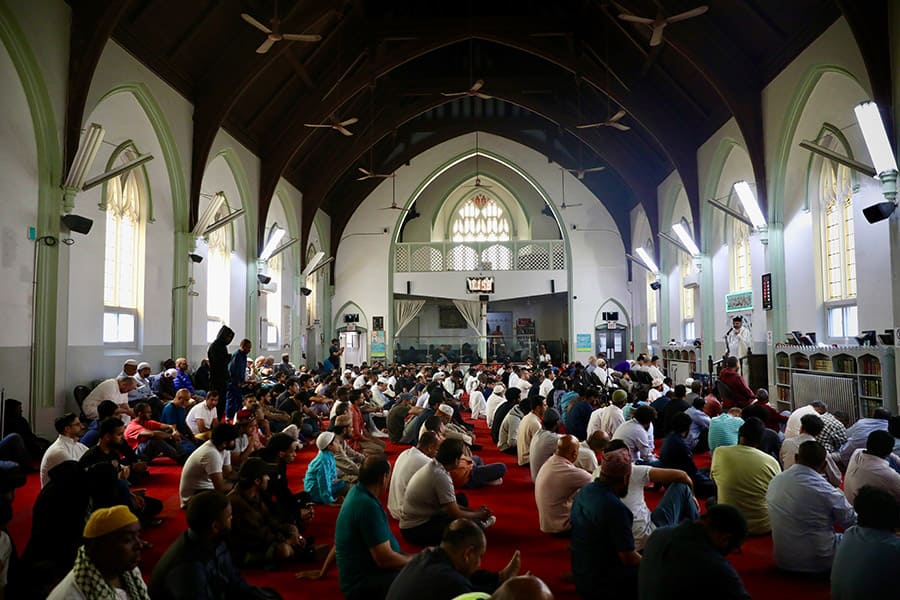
(505, 231)
(119, 311)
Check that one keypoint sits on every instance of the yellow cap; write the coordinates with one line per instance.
(106, 520)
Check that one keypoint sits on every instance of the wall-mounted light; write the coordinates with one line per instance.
(882, 155)
(115, 172)
(685, 238)
(272, 241)
(646, 259)
(751, 206)
(84, 157)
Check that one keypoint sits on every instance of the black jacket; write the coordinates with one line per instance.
(219, 358)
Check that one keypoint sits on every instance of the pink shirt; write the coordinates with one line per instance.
(555, 487)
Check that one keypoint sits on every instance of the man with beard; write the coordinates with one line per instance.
(209, 465)
(107, 563)
(198, 564)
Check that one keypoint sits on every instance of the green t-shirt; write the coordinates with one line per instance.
(361, 524)
(742, 475)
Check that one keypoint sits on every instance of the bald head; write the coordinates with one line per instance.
(523, 587)
(567, 447)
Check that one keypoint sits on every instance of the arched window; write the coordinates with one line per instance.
(740, 256)
(274, 302)
(838, 249)
(122, 256)
(687, 298)
(480, 219)
(218, 276)
(652, 300)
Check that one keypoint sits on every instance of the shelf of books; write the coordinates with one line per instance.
(680, 361)
(825, 372)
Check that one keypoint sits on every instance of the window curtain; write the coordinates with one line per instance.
(404, 312)
(471, 312)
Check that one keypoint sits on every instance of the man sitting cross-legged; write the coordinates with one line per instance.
(408, 464)
(209, 465)
(149, 438)
(803, 510)
(430, 502)
(556, 485)
(452, 568)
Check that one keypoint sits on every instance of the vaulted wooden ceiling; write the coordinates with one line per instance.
(549, 67)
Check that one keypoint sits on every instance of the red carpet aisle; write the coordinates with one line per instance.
(516, 528)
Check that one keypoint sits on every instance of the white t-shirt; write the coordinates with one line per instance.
(201, 411)
(477, 404)
(68, 588)
(493, 402)
(546, 387)
(203, 462)
(426, 494)
(594, 423)
(105, 390)
(407, 464)
(642, 526)
(63, 449)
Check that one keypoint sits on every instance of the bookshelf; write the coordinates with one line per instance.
(680, 361)
(856, 379)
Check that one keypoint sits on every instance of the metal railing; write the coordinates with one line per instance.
(521, 255)
(461, 349)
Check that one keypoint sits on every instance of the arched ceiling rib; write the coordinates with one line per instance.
(707, 70)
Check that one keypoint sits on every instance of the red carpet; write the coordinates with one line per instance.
(516, 528)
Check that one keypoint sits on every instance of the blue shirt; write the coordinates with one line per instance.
(858, 434)
(865, 565)
(699, 424)
(601, 528)
(91, 434)
(183, 381)
(577, 419)
(361, 524)
(803, 509)
(237, 368)
(175, 415)
(564, 401)
(320, 480)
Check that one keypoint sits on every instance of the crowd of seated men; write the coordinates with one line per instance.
(587, 433)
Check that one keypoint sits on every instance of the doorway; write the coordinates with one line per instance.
(611, 343)
(354, 345)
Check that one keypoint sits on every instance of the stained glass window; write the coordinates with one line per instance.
(480, 219)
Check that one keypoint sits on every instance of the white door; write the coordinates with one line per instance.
(354, 345)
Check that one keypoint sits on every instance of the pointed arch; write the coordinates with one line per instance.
(616, 303)
(363, 320)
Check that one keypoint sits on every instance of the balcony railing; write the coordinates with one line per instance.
(523, 255)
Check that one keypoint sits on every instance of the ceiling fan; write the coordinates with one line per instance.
(274, 34)
(613, 121)
(367, 174)
(473, 91)
(333, 123)
(660, 22)
(580, 172)
(394, 205)
(562, 177)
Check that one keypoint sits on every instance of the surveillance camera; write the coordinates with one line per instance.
(305, 291)
(262, 278)
(195, 258)
(385, 230)
(655, 285)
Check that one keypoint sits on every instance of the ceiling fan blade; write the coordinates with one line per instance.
(343, 130)
(483, 96)
(477, 85)
(617, 116)
(364, 178)
(453, 94)
(572, 170)
(620, 127)
(589, 125)
(349, 121)
(656, 38)
(255, 23)
(317, 125)
(265, 46)
(594, 170)
(302, 37)
(635, 19)
(688, 14)
(366, 171)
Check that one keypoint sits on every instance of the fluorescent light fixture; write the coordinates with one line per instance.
(272, 241)
(120, 170)
(748, 201)
(223, 221)
(646, 259)
(876, 138)
(84, 157)
(686, 239)
(206, 218)
(283, 247)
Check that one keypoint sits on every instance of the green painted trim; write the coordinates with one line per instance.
(815, 161)
(295, 254)
(129, 145)
(617, 303)
(183, 241)
(491, 179)
(327, 289)
(49, 205)
(363, 319)
(777, 319)
(389, 325)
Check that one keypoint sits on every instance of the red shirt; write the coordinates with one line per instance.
(741, 395)
(773, 418)
(133, 431)
(358, 428)
(712, 407)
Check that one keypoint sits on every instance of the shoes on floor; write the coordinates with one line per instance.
(489, 522)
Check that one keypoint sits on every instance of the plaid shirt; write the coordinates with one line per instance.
(834, 435)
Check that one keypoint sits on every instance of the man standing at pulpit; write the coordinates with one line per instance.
(738, 339)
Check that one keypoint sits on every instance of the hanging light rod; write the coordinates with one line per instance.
(120, 170)
(838, 158)
(730, 211)
(674, 242)
(646, 259)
